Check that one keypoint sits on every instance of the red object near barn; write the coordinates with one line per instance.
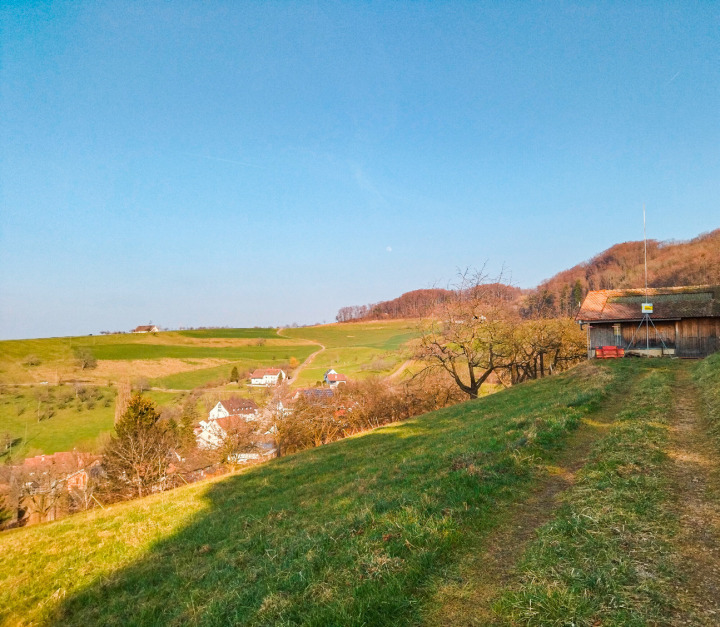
(609, 352)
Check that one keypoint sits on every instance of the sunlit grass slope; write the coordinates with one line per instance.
(151, 354)
(346, 534)
(359, 349)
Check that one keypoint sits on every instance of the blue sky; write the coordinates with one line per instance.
(267, 163)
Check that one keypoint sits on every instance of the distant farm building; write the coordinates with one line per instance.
(148, 328)
(685, 321)
(333, 378)
(267, 376)
(235, 406)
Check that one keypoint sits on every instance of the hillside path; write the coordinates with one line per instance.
(695, 475)
(487, 566)
(401, 368)
(308, 360)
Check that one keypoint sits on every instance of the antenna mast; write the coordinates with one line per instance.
(647, 317)
(645, 241)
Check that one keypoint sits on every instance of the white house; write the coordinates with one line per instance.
(235, 406)
(211, 434)
(333, 378)
(267, 376)
(148, 328)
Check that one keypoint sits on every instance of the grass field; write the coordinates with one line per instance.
(258, 332)
(350, 533)
(175, 360)
(606, 556)
(66, 422)
(358, 350)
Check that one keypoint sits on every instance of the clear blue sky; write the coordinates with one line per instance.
(250, 163)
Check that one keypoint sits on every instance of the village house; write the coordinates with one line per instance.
(214, 434)
(48, 477)
(267, 377)
(148, 328)
(235, 406)
(333, 378)
(681, 321)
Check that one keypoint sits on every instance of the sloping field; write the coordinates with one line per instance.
(350, 533)
(590, 498)
(358, 349)
(53, 359)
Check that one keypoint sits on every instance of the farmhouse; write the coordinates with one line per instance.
(267, 376)
(685, 321)
(235, 406)
(148, 328)
(333, 378)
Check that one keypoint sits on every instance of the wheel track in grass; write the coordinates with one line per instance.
(487, 566)
(308, 360)
(695, 476)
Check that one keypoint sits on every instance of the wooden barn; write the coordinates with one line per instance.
(685, 321)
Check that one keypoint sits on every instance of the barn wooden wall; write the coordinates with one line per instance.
(692, 337)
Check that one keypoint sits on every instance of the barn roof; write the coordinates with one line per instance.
(236, 405)
(669, 303)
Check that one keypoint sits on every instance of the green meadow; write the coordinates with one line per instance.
(50, 419)
(261, 354)
(358, 350)
(350, 533)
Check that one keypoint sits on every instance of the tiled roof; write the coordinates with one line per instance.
(229, 423)
(336, 377)
(669, 303)
(236, 405)
(261, 372)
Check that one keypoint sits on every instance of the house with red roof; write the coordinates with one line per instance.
(267, 377)
(333, 378)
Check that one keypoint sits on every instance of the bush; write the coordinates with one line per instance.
(32, 360)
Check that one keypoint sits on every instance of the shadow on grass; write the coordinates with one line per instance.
(347, 534)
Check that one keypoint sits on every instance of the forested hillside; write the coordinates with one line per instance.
(693, 262)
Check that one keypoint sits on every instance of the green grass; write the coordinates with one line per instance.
(358, 350)
(606, 557)
(270, 353)
(707, 378)
(356, 362)
(230, 333)
(347, 534)
(387, 336)
(195, 378)
(68, 422)
(75, 424)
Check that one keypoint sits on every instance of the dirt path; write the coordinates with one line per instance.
(488, 564)
(696, 479)
(401, 368)
(310, 358)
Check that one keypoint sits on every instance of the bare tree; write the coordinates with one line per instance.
(471, 335)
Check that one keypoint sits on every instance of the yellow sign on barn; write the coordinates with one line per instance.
(647, 308)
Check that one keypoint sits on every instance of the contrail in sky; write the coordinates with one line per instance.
(673, 78)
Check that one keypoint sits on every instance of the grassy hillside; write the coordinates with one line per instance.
(356, 349)
(181, 360)
(350, 533)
